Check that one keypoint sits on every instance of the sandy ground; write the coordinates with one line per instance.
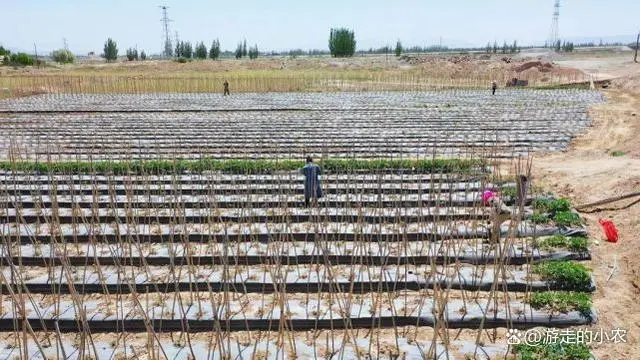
(602, 65)
(588, 172)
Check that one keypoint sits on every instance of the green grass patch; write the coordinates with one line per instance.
(576, 244)
(552, 205)
(445, 165)
(560, 350)
(617, 153)
(509, 191)
(562, 301)
(566, 218)
(238, 166)
(539, 218)
(558, 210)
(565, 274)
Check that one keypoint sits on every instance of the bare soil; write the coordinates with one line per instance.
(589, 172)
(602, 64)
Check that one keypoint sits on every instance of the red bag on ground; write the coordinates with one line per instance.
(609, 230)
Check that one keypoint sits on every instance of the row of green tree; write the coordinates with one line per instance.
(342, 43)
(111, 52)
(184, 51)
(591, 44)
(62, 56)
(398, 50)
(506, 48)
(133, 55)
(564, 46)
(241, 51)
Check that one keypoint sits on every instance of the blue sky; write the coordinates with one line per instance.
(286, 24)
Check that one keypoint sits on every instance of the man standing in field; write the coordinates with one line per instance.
(226, 88)
(494, 86)
(312, 189)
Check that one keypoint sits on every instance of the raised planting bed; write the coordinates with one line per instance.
(244, 166)
(406, 342)
(129, 252)
(453, 99)
(212, 189)
(246, 201)
(202, 311)
(237, 232)
(402, 176)
(225, 215)
(313, 278)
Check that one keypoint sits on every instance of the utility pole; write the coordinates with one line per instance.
(554, 33)
(35, 50)
(635, 58)
(177, 43)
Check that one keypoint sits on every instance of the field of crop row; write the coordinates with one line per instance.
(198, 243)
(278, 126)
(212, 255)
(306, 101)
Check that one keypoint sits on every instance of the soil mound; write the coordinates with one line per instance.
(541, 66)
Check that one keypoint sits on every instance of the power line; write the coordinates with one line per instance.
(167, 48)
(554, 34)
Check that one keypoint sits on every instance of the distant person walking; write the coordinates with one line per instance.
(312, 188)
(494, 87)
(226, 88)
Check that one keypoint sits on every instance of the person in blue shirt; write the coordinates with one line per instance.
(312, 188)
